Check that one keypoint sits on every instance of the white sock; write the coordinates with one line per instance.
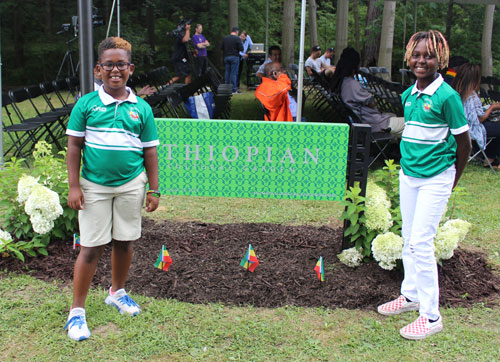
(76, 311)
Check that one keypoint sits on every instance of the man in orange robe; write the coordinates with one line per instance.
(273, 93)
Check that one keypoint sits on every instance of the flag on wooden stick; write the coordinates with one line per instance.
(319, 269)
(164, 260)
(250, 260)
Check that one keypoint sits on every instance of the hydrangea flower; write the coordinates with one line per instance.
(378, 216)
(42, 149)
(4, 236)
(24, 187)
(448, 236)
(43, 207)
(387, 249)
(351, 257)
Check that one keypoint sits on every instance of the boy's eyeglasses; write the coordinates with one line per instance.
(109, 66)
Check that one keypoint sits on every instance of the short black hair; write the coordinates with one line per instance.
(274, 47)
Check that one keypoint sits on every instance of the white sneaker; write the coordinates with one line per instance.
(397, 306)
(421, 328)
(121, 301)
(77, 325)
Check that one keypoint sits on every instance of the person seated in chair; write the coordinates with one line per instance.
(273, 93)
(314, 64)
(467, 82)
(358, 99)
(274, 56)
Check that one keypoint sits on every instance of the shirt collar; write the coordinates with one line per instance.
(107, 99)
(431, 88)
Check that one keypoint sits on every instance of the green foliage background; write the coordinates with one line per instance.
(32, 51)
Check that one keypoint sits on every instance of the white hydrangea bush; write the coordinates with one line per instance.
(448, 236)
(24, 187)
(43, 207)
(351, 257)
(4, 237)
(387, 248)
(378, 215)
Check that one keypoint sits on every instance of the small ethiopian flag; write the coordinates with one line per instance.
(250, 260)
(164, 260)
(319, 269)
(76, 241)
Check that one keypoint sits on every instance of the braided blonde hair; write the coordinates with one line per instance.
(436, 43)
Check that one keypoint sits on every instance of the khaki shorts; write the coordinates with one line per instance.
(111, 212)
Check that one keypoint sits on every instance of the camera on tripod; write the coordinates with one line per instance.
(180, 28)
(96, 21)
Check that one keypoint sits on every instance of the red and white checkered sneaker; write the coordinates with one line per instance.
(421, 328)
(398, 306)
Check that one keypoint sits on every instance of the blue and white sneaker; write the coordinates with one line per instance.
(121, 301)
(77, 325)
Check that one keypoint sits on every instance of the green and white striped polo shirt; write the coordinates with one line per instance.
(432, 117)
(115, 134)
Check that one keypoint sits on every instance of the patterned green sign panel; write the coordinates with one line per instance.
(280, 160)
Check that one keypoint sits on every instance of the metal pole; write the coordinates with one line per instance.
(118, 17)
(267, 27)
(111, 18)
(301, 60)
(1, 119)
(415, 17)
(86, 46)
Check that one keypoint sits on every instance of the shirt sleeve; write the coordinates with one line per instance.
(77, 120)
(478, 105)
(149, 134)
(360, 94)
(453, 113)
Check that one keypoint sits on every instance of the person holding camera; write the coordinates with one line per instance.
(182, 68)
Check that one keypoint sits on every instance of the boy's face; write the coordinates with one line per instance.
(114, 79)
(275, 55)
(423, 64)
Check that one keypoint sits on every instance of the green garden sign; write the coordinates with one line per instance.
(254, 159)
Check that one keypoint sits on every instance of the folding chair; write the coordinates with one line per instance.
(22, 135)
(478, 153)
(380, 140)
(48, 120)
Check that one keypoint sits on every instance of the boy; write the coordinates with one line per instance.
(116, 132)
(434, 150)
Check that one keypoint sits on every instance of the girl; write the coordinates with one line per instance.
(466, 83)
(434, 149)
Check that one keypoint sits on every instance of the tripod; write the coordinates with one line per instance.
(68, 60)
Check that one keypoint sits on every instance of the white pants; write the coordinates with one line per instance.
(423, 201)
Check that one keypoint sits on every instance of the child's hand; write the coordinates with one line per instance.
(75, 198)
(152, 203)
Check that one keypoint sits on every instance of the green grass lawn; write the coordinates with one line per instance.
(32, 312)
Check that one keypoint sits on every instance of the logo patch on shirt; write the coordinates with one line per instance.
(134, 114)
(407, 104)
(427, 105)
(98, 109)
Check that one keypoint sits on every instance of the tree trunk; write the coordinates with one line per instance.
(313, 24)
(356, 24)
(288, 32)
(370, 49)
(19, 34)
(486, 57)
(233, 14)
(48, 17)
(387, 35)
(150, 24)
(342, 27)
(449, 19)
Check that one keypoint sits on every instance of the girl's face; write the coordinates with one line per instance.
(423, 64)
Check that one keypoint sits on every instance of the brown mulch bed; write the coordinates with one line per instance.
(206, 268)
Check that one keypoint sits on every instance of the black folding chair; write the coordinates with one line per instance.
(22, 135)
(48, 119)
